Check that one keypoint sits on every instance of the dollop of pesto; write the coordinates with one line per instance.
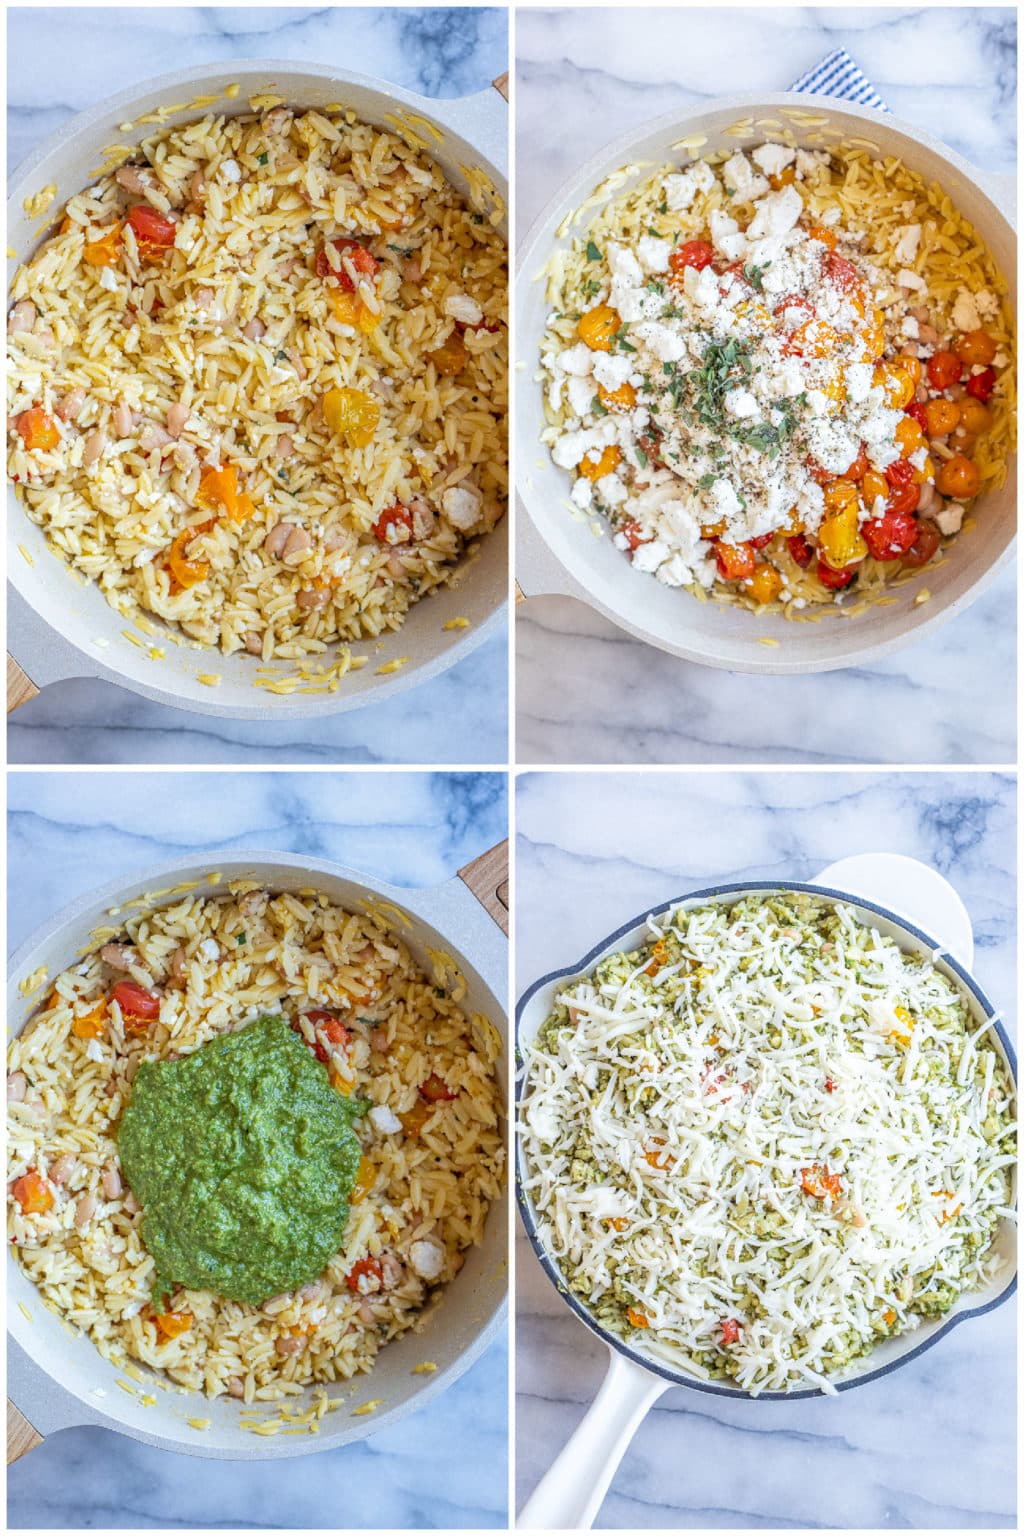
(243, 1157)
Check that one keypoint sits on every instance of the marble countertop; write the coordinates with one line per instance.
(90, 52)
(585, 690)
(931, 1446)
(68, 834)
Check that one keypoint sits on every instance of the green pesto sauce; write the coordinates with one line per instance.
(243, 1157)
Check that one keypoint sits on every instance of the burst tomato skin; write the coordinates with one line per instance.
(943, 369)
(835, 580)
(890, 536)
(919, 414)
(692, 253)
(927, 542)
(981, 385)
(135, 1002)
(364, 262)
(735, 561)
(154, 233)
(801, 551)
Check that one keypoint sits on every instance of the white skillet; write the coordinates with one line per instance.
(57, 1379)
(878, 886)
(556, 551)
(60, 627)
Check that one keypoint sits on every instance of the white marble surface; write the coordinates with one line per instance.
(931, 1446)
(69, 833)
(586, 691)
(92, 51)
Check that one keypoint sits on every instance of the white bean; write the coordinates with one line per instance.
(22, 317)
(85, 1209)
(177, 416)
(94, 446)
(17, 1083)
(132, 179)
(313, 598)
(111, 1181)
(255, 330)
(71, 404)
(62, 1169)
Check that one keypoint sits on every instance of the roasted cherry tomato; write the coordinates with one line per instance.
(761, 541)
(136, 1004)
(835, 579)
(392, 519)
(634, 534)
(890, 536)
(730, 1330)
(435, 1089)
(927, 542)
(900, 473)
(735, 561)
(919, 413)
(331, 1025)
(801, 551)
(364, 263)
(692, 253)
(841, 272)
(365, 1276)
(980, 385)
(154, 233)
(903, 498)
(943, 369)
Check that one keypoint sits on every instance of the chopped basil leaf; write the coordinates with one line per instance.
(593, 254)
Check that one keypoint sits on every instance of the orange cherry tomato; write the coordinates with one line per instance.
(363, 262)
(958, 477)
(975, 347)
(32, 1193)
(106, 251)
(735, 561)
(941, 416)
(37, 429)
(692, 253)
(154, 232)
(171, 1325)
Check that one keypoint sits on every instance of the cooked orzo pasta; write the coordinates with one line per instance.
(258, 380)
(170, 992)
(782, 376)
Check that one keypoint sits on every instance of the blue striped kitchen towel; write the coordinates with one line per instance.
(838, 75)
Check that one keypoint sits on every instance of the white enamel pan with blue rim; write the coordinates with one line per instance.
(904, 900)
(57, 1379)
(557, 553)
(59, 627)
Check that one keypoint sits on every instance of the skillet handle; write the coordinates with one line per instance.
(21, 1437)
(570, 1493)
(912, 889)
(487, 878)
(20, 687)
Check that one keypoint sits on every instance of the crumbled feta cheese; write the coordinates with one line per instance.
(905, 250)
(741, 179)
(647, 557)
(668, 346)
(582, 493)
(462, 506)
(858, 381)
(580, 394)
(108, 280)
(965, 312)
(653, 253)
(385, 1120)
(612, 370)
(741, 404)
(773, 158)
(724, 499)
(987, 304)
(577, 360)
(611, 490)
(463, 308)
(907, 279)
(230, 170)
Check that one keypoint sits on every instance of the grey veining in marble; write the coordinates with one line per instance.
(67, 834)
(92, 51)
(931, 1446)
(586, 691)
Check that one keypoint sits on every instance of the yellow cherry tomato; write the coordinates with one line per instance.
(350, 310)
(598, 326)
(621, 399)
(838, 537)
(872, 486)
(896, 383)
(353, 414)
(765, 584)
(908, 436)
(450, 357)
(596, 469)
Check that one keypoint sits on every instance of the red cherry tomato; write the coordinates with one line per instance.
(819, 474)
(435, 1090)
(981, 385)
(692, 253)
(841, 272)
(331, 1025)
(367, 1271)
(635, 535)
(835, 579)
(801, 551)
(890, 536)
(154, 233)
(943, 369)
(859, 468)
(901, 472)
(903, 498)
(735, 561)
(362, 260)
(927, 542)
(920, 415)
(395, 516)
(730, 1330)
(136, 1004)
(761, 541)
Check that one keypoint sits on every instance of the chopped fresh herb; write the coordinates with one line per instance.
(656, 233)
(263, 159)
(593, 254)
(663, 207)
(706, 482)
(755, 276)
(641, 458)
(653, 284)
(598, 407)
(239, 938)
(401, 250)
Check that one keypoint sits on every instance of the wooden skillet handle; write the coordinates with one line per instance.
(21, 1437)
(20, 687)
(501, 85)
(487, 878)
